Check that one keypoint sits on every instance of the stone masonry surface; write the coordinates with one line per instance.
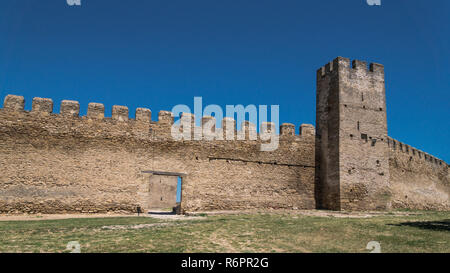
(67, 163)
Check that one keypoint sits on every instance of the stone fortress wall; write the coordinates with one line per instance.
(352, 155)
(358, 167)
(67, 163)
(62, 163)
(418, 180)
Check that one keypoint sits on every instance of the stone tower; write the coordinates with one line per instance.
(352, 155)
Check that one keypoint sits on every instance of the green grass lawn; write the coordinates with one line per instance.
(422, 232)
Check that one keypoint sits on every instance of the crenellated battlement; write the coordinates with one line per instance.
(143, 115)
(71, 163)
(397, 146)
(43, 107)
(120, 113)
(96, 110)
(14, 103)
(165, 117)
(355, 67)
(70, 108)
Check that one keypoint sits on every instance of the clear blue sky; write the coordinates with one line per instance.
(157, 54)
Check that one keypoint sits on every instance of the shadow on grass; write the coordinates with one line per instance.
(161, 213)
(443, 225)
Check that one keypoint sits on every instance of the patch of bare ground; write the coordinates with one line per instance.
(42, 217)
(317, 213)
(140, 226)
(174, 217)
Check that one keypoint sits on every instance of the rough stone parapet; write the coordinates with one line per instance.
(42, 105)
(165, 117)
(248, 131)
(268, 128)
(209, 127)
(120, 113)
(287, 129)
(397, 146)
(14, 103)
(187, 118)
(187, 125)
(70, 108)
(207, 130)
(359, 67)
(307, 130)
(143, 115)
(209, 123)
(229, 128)
(96, 111)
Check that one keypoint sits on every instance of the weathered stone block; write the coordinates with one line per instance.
(209, 122)
(307, 130)
(187, 119)
(248, 131)
(42, 105)
(165, 117)
(120, 113)
(14, 103)
(377, 68)
(70, 108)
(228, 128)
(287, 129)
(96, 111)
(268, 128)
(187, 125)
(208, 127)
(143, 114)
(359, 65)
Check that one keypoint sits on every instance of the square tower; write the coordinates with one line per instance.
(352, 156)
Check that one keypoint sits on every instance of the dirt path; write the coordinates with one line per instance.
(317, 213)
(200, 215)
(42, 217)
